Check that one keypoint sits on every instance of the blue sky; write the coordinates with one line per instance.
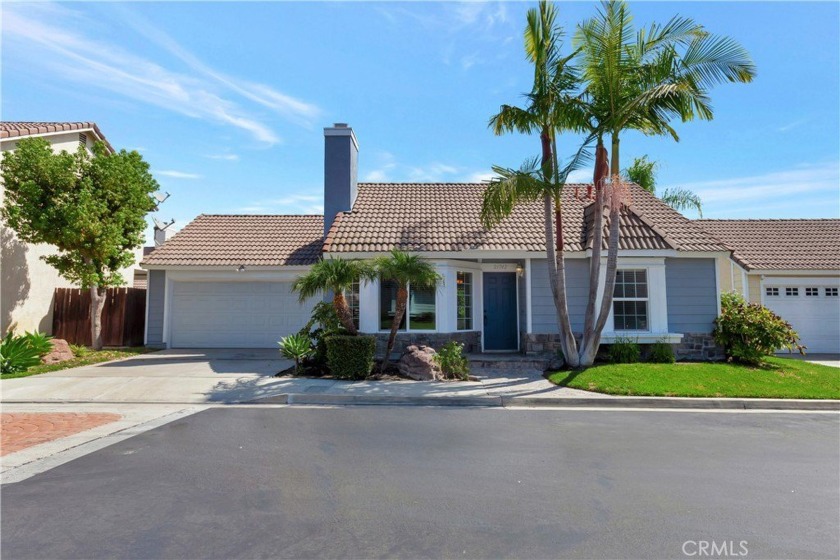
(227, 101)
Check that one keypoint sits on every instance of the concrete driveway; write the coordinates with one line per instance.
(169, 376)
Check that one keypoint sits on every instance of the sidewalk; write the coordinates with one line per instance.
(523, 390)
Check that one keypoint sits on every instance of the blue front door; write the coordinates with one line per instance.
(500, 329)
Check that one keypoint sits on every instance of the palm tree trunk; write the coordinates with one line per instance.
(97, 304)
(402, 301)
(557, 279)
(343, 312)
(599, 180)
(615, 168)
(590, 345)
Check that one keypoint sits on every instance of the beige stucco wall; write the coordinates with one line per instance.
(27, 283)
(724, 274)
(754, 284)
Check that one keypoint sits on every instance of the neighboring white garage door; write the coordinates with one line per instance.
(234, 314)
(811, 305)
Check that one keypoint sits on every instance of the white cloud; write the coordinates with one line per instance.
(177, 174)
(290, 204)
(581, 176)
(223, 157)
(480, 177)
(433, 172)
(790, 126)
(50, 38)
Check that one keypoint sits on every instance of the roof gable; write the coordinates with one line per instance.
(20, 129)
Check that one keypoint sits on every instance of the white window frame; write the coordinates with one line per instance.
(645, 299)
(791, 291)
(814, 291)
(472, 300)
(772, 291)
(657, 300)
(835, 291)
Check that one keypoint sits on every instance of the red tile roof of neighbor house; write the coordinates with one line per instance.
(418, 217)
(16, 129)
(233, 240)
(445, 217)
(780, 244)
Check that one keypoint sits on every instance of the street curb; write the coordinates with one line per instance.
(560, 402)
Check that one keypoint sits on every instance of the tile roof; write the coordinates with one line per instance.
(231, 240)
(16, 129)
(780, 244)
(445, 217)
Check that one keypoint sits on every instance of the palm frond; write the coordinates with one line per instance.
(407, 268)
(334, 274)
(511, 187)
(683, 199)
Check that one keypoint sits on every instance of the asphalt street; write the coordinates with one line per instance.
(429, 482)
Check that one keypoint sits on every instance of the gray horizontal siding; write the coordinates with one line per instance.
(544, 315)
(155, 310)
(691, 294)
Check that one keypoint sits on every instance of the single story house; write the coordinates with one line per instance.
(225, 280)
(27, 283)
(790, 266)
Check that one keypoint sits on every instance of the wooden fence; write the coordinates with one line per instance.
(123, 318)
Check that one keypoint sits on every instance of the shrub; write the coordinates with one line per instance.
(40, 342)
(661, 353)
(17, 354)
(295, 347)
(624, 351)
(323, 323)
(350, 357)
(79, 350)
(748, 332)
(452, 361)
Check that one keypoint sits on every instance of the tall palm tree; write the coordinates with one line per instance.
(643, 173)
(404, 269)
(551, 108)
(641, 80)
(336, 276)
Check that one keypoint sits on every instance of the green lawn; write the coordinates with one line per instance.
(86, 358)
(777, 378)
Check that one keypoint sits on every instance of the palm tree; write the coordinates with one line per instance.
(641, 80)
(643, 173)
(552, 107)
(336, 276)
(404, 269)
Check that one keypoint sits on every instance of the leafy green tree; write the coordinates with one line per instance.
(336, 276)
(403, 269)
(92, 208)
(643, 173)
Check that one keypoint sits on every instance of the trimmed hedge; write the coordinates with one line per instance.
(350, 357)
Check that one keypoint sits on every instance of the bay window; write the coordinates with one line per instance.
(420, 313)
(464, 286)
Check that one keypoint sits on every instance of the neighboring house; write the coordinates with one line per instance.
(225, 280)
(791, 267)
(27, 283)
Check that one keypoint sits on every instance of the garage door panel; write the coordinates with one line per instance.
(235, 314)
(816, 318)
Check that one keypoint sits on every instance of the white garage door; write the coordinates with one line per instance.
(812, 306)
(234, 314)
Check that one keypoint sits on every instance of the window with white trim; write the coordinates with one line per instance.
(420, 314)
(789, 292)
(771, 291)
(812, 292)
(464, 295)
(630, 300)
(831, 292)
(352, 297)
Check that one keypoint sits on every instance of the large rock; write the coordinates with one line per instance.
(60, 352)
(418, 363)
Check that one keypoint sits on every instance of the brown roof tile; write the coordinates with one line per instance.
(229, 240)
(780, 244)
(15, 129)
(439, 217)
